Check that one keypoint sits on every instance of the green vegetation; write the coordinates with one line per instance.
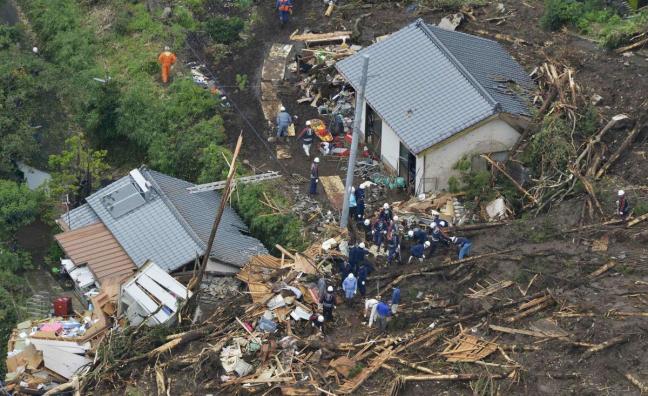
(270, 228)
(224, 30)
(19, 206)
(593, 18)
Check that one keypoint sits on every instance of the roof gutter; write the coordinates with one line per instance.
(473, 81)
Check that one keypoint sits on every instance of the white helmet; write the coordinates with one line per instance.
(316, 160)
(433, 224)
(320, 319)
(329, 213)
(367, 222)
(282, 108)
(427, 244)
(410, 233)
(166, 48)
(352, 189)
(329, 289)
(453, 239)
(361, 245)
(395, 218)
(421, 197)
(35, 50)
(386, 206)
(621, 193)
(308, 123)
(362, 186)
(350, 275)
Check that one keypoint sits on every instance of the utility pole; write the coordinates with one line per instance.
(344, 220)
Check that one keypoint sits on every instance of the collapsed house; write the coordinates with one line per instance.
(147, 215)
(435, 96)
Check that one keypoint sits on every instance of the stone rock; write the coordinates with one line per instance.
(166, 13)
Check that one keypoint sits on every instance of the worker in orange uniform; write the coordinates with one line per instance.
(285, 8)
(166, 59)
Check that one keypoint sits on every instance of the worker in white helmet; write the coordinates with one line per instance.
(283, 122)
(307, 135)
(386, 213)
(328, 303)
(463, 244)
(366, 227)
(314, 176)
(357, 255)
(623, 206)
(317, 322)
(418, 251)
(393, 245)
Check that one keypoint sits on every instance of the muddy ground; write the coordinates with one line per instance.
(561, 260)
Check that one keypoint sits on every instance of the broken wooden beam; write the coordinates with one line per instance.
(637, 220)
(642, 387)
(605, 345)
(602, 269)
(322, 37)
(505, 173)
(510, 330)
(454, 377)
(353, 384)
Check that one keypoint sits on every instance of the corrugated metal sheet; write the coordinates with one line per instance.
(95, 246)
(231, 245)
(80, 217)
(428, 84)
(149, 232)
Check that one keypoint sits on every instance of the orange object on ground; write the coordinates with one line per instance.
(166, 59)
(320, 130)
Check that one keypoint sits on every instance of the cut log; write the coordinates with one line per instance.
(454, 377)
(510, 330)
(530, 311)
(588, 188)
(605, 345)
(632, 46)
(630, 314)
(617, 154)
(353, 384)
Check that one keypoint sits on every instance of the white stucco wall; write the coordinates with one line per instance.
(493, 136)
(389, 147)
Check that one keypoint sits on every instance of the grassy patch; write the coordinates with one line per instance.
(595, 19)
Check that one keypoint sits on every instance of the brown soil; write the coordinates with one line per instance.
(561, 260)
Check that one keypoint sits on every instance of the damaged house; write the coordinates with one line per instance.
(150, 216)
(434, 96)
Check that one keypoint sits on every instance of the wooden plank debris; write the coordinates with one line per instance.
(283, 152)
(637, 220)
(312, 38)
(640, 385)
(468, 348)
(488, 290)
(353, 384)
(605, 345)
(334, 190)
(601, 244)
(602, 269)
(510, 330)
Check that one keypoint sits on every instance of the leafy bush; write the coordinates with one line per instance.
(558, 13)
(550, 147)
(224, 30)
(271, 229)
(617, 32)
(19, 206)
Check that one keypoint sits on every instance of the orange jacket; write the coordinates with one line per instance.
(167, 58)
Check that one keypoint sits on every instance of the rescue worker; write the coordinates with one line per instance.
(345, 270)
(383, 312)
(352, 204)
(395, 299)
(328, 303)
(366, 226)
(357, 256)
(385, 213)
(285, 8)
(393, 226)
(350, 287)
(379, 231)
(317, 322)
(363, 272)
(393, 248)
(166, 60)
(623, 207)
(370, 309)
(307, 135)
(419, 235)
(360, 199)
(321, 286)
(417, 251)
(463, 244)
(283, 122)
(436, 238)
(314, 176)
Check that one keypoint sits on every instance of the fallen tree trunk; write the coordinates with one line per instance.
(643, 388)
(637, 220)
(454, 377)
(624, 146)
(515, 183)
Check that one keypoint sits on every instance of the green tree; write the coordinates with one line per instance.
(19, 206)
(77, 171)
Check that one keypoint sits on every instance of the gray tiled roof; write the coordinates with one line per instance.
(149, 232)
(231, 245)
(172, 226)
(80, 217)
(428, 84)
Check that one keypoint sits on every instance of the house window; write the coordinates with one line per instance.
(373, 130)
